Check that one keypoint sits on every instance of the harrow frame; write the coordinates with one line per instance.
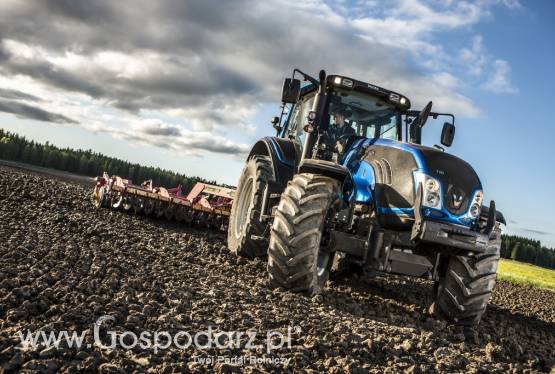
(205, 205)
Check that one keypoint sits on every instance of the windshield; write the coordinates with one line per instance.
(355, 113)
(350, 113)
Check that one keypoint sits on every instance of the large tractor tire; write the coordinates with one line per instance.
(465, 288)
(297, 257)
(247, 234)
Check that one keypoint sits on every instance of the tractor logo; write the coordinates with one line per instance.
(457, 199)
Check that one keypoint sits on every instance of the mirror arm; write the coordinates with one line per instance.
(306, 77)
(279, 127)
(415, 113)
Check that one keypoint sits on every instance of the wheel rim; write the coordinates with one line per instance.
(243, 206)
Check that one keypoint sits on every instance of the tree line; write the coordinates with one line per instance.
(86, 162)
(527, 250)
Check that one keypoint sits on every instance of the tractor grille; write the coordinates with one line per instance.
(458, 177)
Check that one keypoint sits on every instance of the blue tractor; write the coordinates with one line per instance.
(346, 182)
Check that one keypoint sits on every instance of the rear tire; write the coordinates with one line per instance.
(297, 260)
(465, 289)
(244, 222)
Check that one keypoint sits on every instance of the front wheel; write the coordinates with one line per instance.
(465, 288)
(298, 257)
(246, 233)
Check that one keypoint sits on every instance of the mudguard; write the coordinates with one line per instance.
(285, 155)
(327, 168)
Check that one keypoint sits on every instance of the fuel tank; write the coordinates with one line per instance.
(384, 174)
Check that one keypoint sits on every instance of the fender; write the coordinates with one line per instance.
(327, 168)
(285, 156)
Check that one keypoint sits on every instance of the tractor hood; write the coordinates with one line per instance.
(391, 170)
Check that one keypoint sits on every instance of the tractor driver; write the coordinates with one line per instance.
(340, 128)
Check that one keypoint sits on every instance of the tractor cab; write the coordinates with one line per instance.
(352, 108)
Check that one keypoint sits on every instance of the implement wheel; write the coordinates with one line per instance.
(246, 233)
(298, 257)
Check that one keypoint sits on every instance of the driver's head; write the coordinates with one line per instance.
(339, 117)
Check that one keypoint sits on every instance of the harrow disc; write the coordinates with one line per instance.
(202, 219)
(138, 204)
(189, 216)
(160, 209)
(169, 212)
(116, 201)
(148, 207)
(99, 198)
(127, 203)
(180, 213)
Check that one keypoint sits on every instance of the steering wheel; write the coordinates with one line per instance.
(422, 117)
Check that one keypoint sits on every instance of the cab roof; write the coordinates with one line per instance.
(340, 81)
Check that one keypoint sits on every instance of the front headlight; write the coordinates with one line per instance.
(432, 200)
(474, 210)
(431, 194)
(476, 205)
(432, 185)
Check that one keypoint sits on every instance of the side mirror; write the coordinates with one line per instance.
(291, 90)
(275, 123)
(447, 134)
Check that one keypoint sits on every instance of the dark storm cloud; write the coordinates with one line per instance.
(32, 112)
(83, 11)
(206, 32)
(55, 76)
(4, 55)
(161, 130)
(17, 95)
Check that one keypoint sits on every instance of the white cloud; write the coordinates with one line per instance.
(499, 81)
(474, 58)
